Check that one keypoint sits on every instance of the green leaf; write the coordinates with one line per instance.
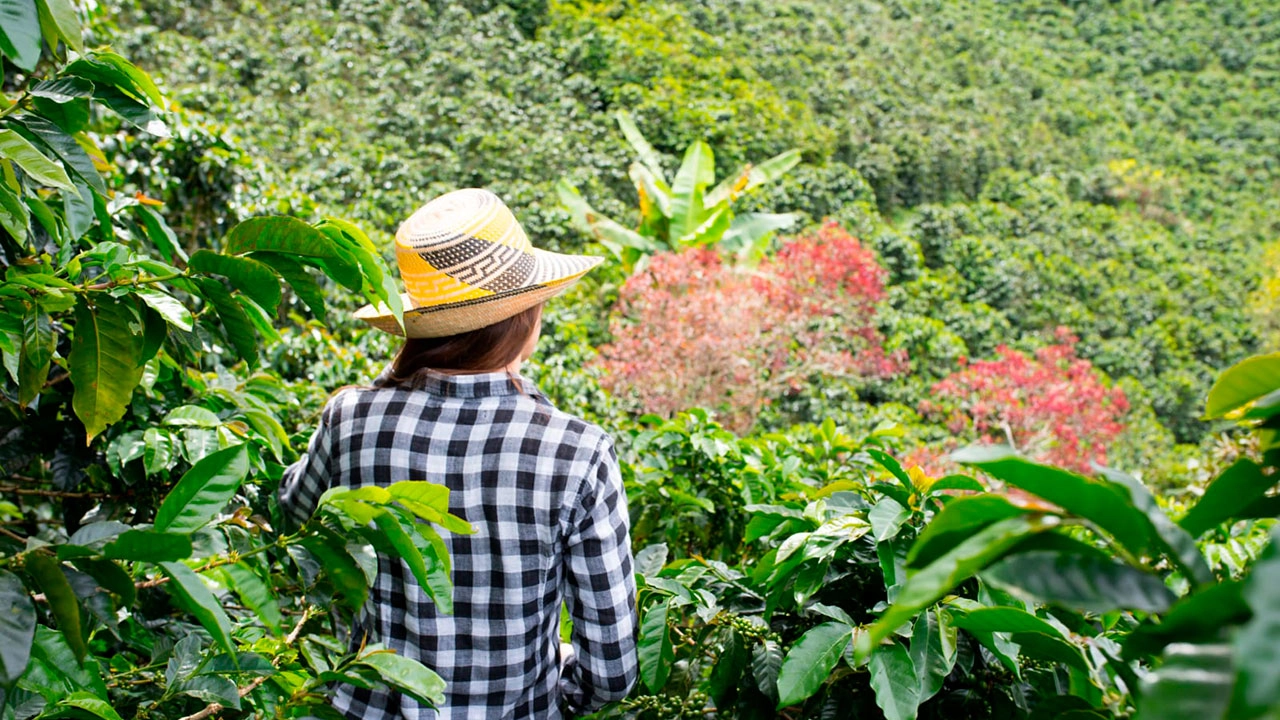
(940, 577)
(17, 627)
(91, 704)
(811, 660)
(643, 149)
(654, 648)
(235, 322)
(15, 217)
(933, 650)
(139, 81)
(609, 233)
(41, 169)
(347, 577)
(63, 90)
(193, 415)
(1242, 383)
(211, 689)
(106, 360)
(956, 482)
(1227, 496)
(1177, 544)
(61, 15)
(20, 32)
(710, 231)
(1100, 502)
(174, 312)
(62, 600)
(137, 114)
(1036, 636)
(65, 148)
(160, 234)
(749, 231)
(1079, 582)
(960, 519)
(302, 282)
(1257, 645)
(249, 276)
(887, 518)
(430, 574)
(148, 546)
(200, 602)
(203, 491)
(893, 677)
(1202, 617)
(255, 594)
(1194, 683)
(408, 676)
(766, 664)
(38, 342)
(292, 237)
(110, 576)
(697, 171)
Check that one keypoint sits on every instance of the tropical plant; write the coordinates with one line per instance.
(131, 362)
(691, 211)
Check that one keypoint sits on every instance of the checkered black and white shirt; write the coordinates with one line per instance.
(543, 491)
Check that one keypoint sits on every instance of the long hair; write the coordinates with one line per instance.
(488, 349)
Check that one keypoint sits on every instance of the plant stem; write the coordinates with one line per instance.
(43, 492)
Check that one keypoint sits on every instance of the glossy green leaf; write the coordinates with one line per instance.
(132, 111)
(161, 235)
(893, 678)
(255, 594)
(192, 415)
(940, 577)
(1257, 645)
(110, 576)
(174, 312)
(609, 233)
(956, 482)
(203, 491)
(430, 575)
(148, 546)
(64, 147)
(17, 627)
(408, 676)
(1202, 617)
(63, 89)
(41, 169)
(38, 341)
(290, 236)
(211, 689)
(1228, 495)
(61, 14)
(654, 649)
(61, 598)
(960, 519)
(429, 501)
(20, 32)
(886, 519)
(1100, 502)
(766, 664)
(15, 217)
(91, 704)
(304, 285)
(1035, 636)
(200, 602)
(1079, 582)
(341, 569)
(1193, 683)
(236, 324)
(105, 361)
(811, 661)
(748, 231)
(1243, 383)
(137, 78)
(932, 651)
(249, 276)
(1176, 543)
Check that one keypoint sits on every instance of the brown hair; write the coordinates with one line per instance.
(488, 349)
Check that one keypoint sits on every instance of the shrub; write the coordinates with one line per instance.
(1054, 407)
(692, 330)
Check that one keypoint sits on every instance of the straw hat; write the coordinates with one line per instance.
(466, 263)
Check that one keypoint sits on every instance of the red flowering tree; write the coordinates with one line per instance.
(1054, 407)
(693, 330)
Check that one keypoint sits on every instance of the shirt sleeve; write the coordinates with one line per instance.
(601, 591)
(306, 480)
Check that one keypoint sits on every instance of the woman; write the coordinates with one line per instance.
(540, 487)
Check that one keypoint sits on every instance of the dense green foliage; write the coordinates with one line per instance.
(1107, 167)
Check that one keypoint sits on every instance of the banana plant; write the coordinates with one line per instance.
(691, 210)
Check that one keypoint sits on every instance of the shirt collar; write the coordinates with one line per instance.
(473, 386)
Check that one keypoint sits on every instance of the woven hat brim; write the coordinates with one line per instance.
(467, 315)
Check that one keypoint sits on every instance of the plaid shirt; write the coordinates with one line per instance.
(543, 491)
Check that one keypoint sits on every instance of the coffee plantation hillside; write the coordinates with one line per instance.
(1108, 167)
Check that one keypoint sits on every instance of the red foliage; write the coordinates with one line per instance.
(693, 331)
(1053, 407)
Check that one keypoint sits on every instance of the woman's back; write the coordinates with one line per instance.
(543, 492)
